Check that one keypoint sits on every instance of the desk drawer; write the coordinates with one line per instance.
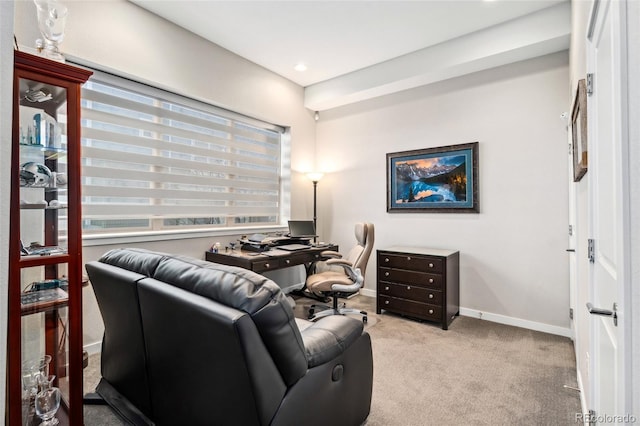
(411, 292)
(410, 277)
(293, 260)
(411, 308)
(410, 262)
(314, 257)
(267, 261)
(266, 265)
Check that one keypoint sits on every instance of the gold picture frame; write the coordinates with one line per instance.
(579, 132)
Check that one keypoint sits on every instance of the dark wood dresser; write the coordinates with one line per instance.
(419, 282)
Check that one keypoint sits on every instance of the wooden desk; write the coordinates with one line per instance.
(268, 260)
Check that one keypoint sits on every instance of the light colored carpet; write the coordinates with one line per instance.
(477, 372)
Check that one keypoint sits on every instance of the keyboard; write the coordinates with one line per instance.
(293, 247)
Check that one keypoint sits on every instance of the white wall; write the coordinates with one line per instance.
(513, 259)
(120, 36)
(6, 90)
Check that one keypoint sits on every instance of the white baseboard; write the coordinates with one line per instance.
(583, 400)
(517, 322)
(501, 319)
(367, 292)
(93, 348)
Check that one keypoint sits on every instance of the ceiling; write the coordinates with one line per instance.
(339, 38)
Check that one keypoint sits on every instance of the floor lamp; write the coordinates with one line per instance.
(315, 177)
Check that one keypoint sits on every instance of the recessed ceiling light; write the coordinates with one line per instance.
(300, 67)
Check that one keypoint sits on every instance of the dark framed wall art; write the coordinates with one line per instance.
(434, 180)
(579, 132)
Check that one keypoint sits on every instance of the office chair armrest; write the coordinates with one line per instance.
(339, 262)
(327, 255)
(356, 276)
(347, 267)
(329, 337)
(331, 254)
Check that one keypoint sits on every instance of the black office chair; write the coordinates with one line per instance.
(342, 276)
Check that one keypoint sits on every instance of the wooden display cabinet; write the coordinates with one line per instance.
(45, 254)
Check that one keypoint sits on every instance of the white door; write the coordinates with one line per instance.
(608, 188)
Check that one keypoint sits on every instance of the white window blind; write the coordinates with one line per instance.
(153, 161)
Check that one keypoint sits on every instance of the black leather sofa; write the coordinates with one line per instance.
(190, 342)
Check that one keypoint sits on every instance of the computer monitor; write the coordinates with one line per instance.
(302, 229)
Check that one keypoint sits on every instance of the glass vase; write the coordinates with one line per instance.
(52, 18)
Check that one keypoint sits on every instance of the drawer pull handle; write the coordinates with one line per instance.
(408, 287)
(430, 280)
(288, 261)
(386, 288)
(408, 257)
(386, 302)
(267, 265)
(386, 259)
(386, 274)
(431, 311)
(430, 295)
(431, 265)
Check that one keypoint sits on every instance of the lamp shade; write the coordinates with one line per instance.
(315, 176)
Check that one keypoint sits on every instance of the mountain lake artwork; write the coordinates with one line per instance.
(440, 179)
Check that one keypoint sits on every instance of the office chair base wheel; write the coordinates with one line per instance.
(364, 319)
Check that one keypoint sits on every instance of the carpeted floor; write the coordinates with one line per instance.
(477, 372)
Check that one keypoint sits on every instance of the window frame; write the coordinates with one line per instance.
(284, 210)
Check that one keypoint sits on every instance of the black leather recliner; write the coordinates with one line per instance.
(193, 342)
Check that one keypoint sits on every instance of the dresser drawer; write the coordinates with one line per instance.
(411, 292)
(410, 262)
(409, 307)
(410, 277)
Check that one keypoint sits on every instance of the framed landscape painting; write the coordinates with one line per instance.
(579, 132)
(434, 180)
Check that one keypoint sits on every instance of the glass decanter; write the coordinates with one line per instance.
(47, 401)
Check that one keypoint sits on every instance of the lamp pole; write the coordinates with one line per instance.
(315, 177)
(315, 214)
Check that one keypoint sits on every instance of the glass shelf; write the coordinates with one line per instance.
(38, 207)
(34, 302)
(44, 148)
